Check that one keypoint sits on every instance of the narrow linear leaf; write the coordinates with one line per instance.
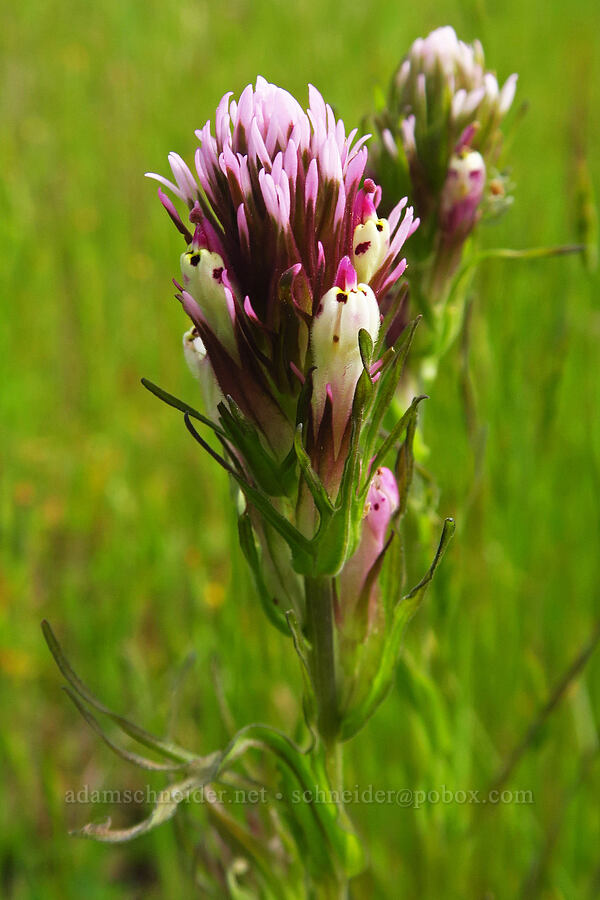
(206, 446)
(183, 407)
(165, 748)
(141, 761)
(447, 535)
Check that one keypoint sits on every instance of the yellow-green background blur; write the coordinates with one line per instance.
(115, 528)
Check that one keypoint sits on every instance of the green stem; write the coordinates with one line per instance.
(320, 628)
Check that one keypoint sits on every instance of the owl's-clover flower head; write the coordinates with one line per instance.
(442, 101)
(275, 206)
(444, 74)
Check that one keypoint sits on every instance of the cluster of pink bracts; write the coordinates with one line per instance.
(286, 261)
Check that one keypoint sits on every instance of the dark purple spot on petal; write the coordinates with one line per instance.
(379, 226)
(376, 506)
(195, 259)
(362, 248)
(336, 338)
(342, 297)
(218, 274)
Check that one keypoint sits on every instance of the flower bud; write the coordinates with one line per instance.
(341, 314)
(370, 246)
(381, 504)
(462, 195)
(205, 278)
(199, 365)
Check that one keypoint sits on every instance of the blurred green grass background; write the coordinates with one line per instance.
(117, 530)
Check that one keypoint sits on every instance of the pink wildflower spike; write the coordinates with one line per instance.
(287, 265)
(279, 192)
(442, 88)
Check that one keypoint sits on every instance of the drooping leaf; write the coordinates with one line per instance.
(164, 748)
(141, 762)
